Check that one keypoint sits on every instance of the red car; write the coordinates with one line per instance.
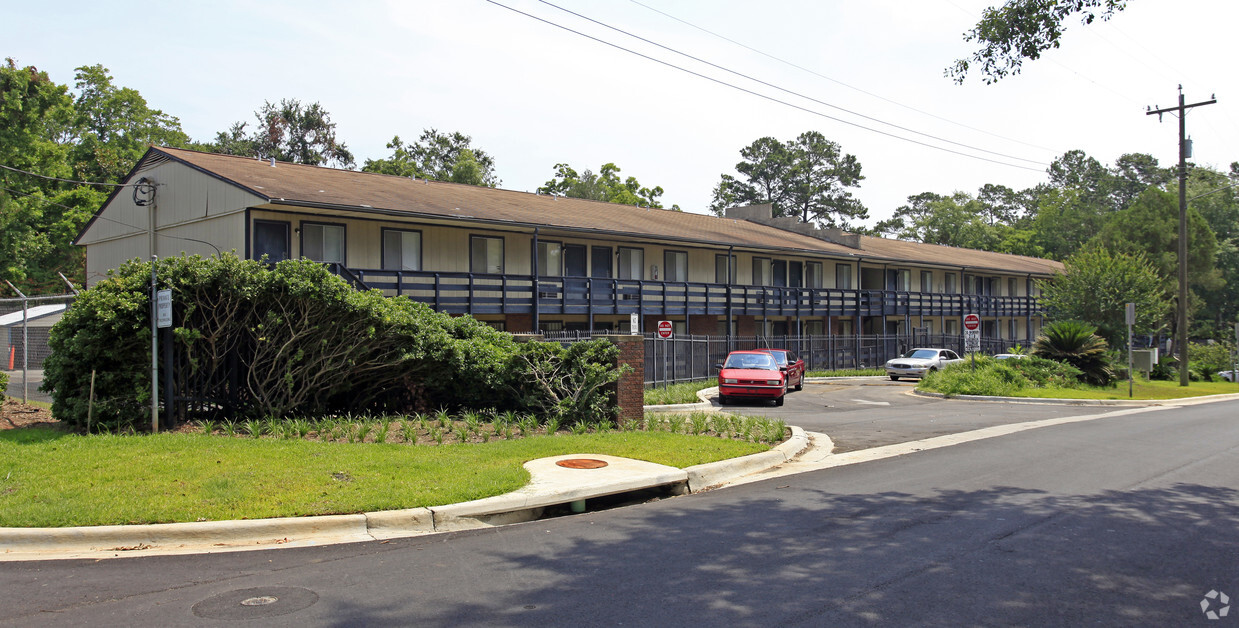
(792, 365)
(751, 375)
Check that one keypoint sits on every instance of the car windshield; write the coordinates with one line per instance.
(751, 361)
(779, 356)
(925, 354)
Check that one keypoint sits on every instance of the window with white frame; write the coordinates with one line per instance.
(322, 242)
(402, 250)
(903, 280)
(927, 281)
(550, 259)
(951, 286)
(486, 255)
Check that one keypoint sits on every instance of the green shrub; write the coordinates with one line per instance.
(292, 339)
(991, 378)
(1077, 344)
(4, 380)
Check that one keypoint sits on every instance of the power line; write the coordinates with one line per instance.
(760, 95)
(838, 82)
(102, 217)
(35, 174)
(788, 91)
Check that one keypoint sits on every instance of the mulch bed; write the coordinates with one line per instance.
(15, 414)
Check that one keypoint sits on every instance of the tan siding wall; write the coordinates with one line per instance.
(183, 195)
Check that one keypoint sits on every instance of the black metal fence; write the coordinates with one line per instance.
(686, 358)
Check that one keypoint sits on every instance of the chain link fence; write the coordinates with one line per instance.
(24, 327)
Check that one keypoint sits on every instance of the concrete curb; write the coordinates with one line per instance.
(1140, 403)
(703, 476)
(329, 528)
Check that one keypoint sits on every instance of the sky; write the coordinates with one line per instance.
(533, 94)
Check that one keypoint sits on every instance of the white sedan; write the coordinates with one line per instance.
(918, 362)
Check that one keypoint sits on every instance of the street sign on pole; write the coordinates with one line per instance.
(664, 329)
(163, 309)
(634, 325)
(972, 340)
(972, 322)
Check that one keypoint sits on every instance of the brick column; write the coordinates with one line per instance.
(630, 389)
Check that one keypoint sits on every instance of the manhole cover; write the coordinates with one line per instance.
(581, 463)
(255, 603)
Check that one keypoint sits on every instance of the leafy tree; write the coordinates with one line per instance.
(1213, 195)
(1150, 227)
(1023, 29)
(38, 216)
(437, 156)
(289, 131)
(1074, 343)
(1096, 286)
(807, 178)
(604, 186)
(113, 127)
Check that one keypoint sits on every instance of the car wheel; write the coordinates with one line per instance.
(800, 382)
(724, 400)
(894, 378)
(779, 402)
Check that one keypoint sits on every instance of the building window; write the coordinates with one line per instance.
(814, 328)
(1011, 289)
(723, 274)
(402, 250)
(762, 274)
(813, 275)
(846, 328)
(951, 285)
(675, 265)
(271, 239)
(322, 243)
(903, 280)
(927, 281)
(486, 255)
(600, 262)
(550, 259)
(952, 328)
(843, 276)
(631, 263)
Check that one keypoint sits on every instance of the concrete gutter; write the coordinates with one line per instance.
(550, 485)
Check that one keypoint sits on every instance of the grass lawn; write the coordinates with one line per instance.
(1147, 390)
(49, 478)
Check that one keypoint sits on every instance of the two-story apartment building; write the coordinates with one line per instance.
(527, 262)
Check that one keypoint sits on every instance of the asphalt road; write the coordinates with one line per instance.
(1128, 520)
(870, 412)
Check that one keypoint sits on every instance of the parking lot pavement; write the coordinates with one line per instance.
(32, 388)
(871, 412)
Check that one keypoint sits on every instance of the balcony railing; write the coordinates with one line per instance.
(478, 293)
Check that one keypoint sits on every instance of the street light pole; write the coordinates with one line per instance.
(1181, 337)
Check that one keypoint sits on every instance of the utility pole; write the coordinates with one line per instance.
(1181, 339)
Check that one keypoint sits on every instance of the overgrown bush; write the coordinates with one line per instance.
(4, 380)
(273, 341)
(1205, 360)
(1001, 378)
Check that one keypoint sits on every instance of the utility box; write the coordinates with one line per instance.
(1144, 359)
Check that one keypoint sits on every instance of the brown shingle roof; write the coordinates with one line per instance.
(312, 185)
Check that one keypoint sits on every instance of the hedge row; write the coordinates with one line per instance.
(294, 339)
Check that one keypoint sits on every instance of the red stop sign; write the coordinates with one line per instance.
(972, 322)
(664, 329)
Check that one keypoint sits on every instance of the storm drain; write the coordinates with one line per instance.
(581, 463)
(255, 603)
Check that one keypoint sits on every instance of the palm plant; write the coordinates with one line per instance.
(1077, 344)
